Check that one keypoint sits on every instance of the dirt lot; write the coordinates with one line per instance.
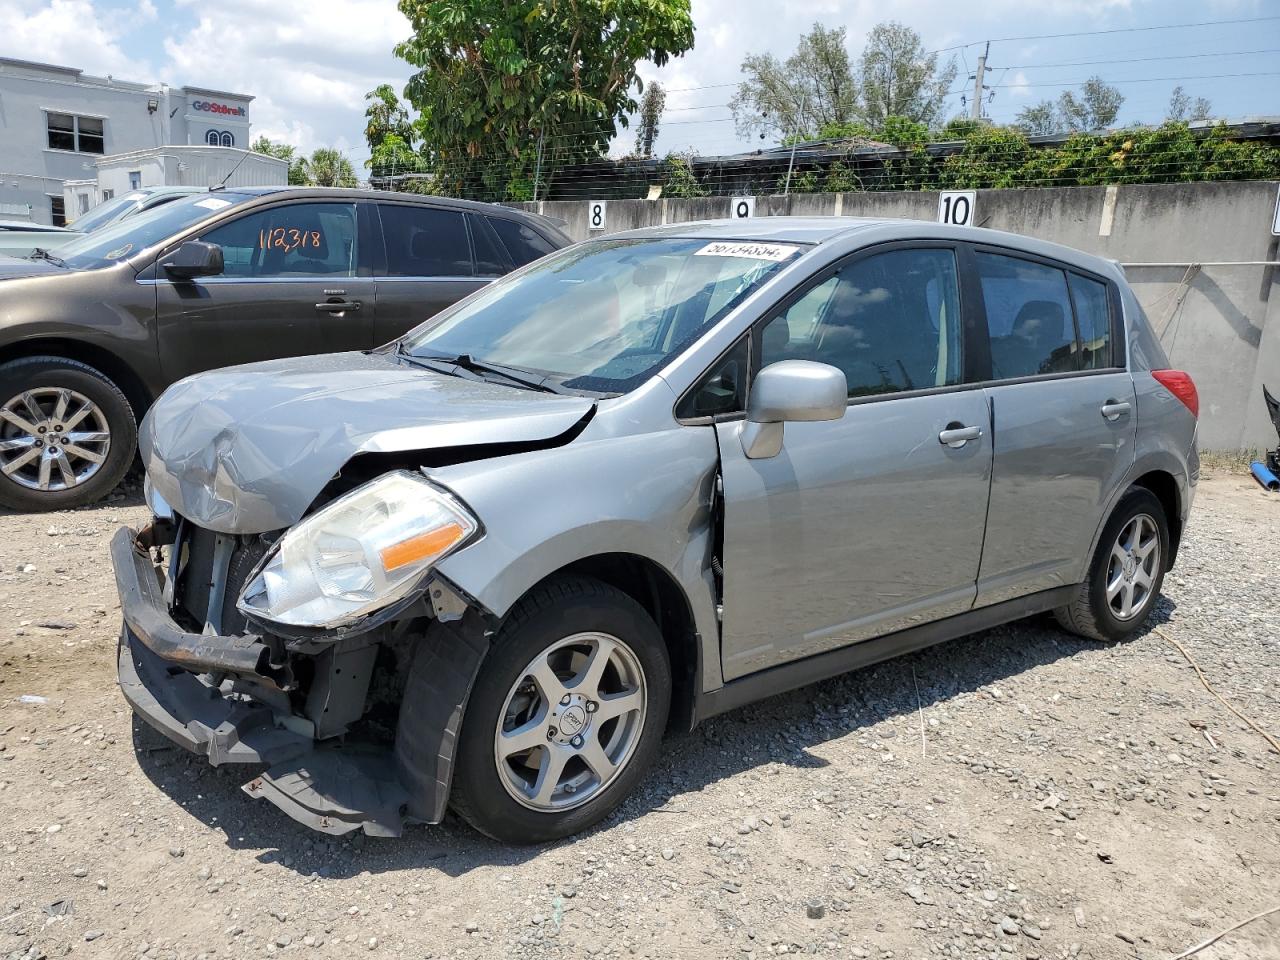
(1018, 793)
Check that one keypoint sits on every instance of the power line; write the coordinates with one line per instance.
(1207, 76)
(1180, 56)
(1098, 33)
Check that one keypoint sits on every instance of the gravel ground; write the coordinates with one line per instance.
(1018, 793)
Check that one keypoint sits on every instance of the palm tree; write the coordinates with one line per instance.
(327, 167)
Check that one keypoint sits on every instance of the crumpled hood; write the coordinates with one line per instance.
(11, 267)
(247, 449)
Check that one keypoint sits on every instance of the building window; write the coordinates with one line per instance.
(107, 195)
(211, 138)
(69, 132)
(227, 139)
(83, 200)
(58, 211)
(135, 179)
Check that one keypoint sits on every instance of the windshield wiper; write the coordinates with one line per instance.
(515, 375)
(39, 253)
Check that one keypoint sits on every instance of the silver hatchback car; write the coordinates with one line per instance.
(646, 479)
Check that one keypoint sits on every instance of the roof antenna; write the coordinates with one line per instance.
(222, 185)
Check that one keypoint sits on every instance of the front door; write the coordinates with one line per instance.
(872, 523)
(291, 286)
(1063, 410)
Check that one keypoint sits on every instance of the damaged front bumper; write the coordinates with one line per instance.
(225, 698)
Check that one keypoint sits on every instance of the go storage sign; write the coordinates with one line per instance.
(956, 207)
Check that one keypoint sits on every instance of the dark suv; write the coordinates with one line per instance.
(89, 337)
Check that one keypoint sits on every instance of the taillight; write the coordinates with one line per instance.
(1181, 386)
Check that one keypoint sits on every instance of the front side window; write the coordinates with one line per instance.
(722, 389)
(1028, 317)
(291, 240)
(425, 241)
(1093, 317)
(606, 315)
(891, 322)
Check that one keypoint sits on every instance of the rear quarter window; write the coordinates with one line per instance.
(523, 243)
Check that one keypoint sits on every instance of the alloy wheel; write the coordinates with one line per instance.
(52, 438)
(570, 722)
(1132, 567)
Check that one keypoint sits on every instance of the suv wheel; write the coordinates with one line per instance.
(67, 434)
(566, 715)
(1126, 573)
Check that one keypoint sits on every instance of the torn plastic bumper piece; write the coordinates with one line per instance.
(325, 787)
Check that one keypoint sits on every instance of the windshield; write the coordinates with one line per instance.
(104, 213)
(604, 316)
(124, 238)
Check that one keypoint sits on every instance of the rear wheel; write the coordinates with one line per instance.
(67, 434)
(1127, 570)
(566, 715)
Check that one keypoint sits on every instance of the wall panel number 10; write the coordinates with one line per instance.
(596, 214)
(956, 207)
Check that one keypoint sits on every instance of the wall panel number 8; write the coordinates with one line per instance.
(596, 214)
(956, 207)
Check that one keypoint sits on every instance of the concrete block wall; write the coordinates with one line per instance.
(1214, 306)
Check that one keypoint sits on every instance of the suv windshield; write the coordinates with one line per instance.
(119, 240)
(106, 212)
(603, 316)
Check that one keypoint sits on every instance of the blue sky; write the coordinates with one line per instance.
(310, 62)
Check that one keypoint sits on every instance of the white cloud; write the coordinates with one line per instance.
(72, 32)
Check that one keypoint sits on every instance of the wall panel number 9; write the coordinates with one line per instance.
(740, 208)
(956, 207)
(596, 214)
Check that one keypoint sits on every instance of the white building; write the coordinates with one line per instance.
(65, 135)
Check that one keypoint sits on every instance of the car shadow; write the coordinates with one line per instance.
(783, 729)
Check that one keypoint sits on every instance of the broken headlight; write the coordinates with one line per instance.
(367, 549)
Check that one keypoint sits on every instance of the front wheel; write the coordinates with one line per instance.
(1125, 575)
(67, 434)
(566, 715)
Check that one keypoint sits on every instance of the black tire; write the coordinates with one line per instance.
(32, 373)
(1090, 614)
(557, 609)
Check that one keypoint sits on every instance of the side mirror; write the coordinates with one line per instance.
(795, 390)
(195, 258)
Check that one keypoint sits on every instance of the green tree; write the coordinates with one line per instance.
(682, 182)
(386, 116)
(1182, 107)
(1038, 119)
(652, 104)
(327, 167)
(285, 152)
(1095, 108)
(813, 88)
(495, 76)
(900, 78)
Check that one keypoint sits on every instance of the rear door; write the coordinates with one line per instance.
(293, 284)
(1063, 411)
(871, 523)
(427, 264)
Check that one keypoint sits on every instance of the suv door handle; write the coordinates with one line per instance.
(338, 306)
(957, 435)
(1115, 409)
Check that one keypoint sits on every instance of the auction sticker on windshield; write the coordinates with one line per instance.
(740, 248)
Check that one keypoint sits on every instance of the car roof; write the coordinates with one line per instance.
(821, 230)
(26, 226)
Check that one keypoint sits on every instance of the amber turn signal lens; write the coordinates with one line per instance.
(422, 546)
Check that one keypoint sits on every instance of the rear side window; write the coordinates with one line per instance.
(891, 322)
(1093, 317)
(491, 258)
(425, 242)
(523, 242)
(1028, 317)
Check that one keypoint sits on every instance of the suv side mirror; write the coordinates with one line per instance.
(195, 258)
(795, 390)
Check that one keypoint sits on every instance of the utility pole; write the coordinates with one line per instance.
(537, 170)
(977, 83)
(795, 136)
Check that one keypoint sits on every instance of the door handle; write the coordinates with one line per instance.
(1115, 409)
(338, 306)
(957, 435)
